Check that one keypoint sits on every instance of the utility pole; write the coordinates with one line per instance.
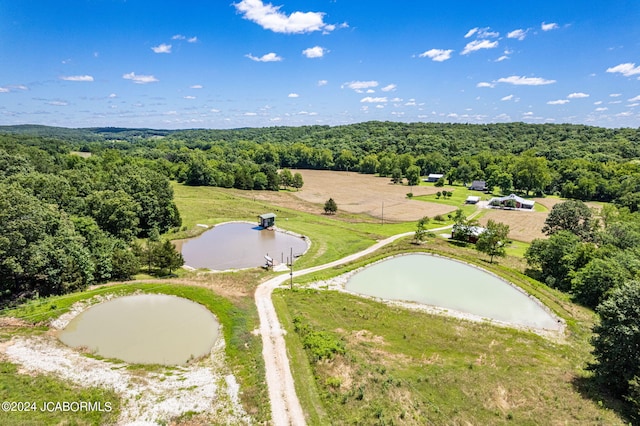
(291, 271)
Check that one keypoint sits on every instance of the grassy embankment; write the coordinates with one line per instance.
(406, 367)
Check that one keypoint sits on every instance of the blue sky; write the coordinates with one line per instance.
(251, 63)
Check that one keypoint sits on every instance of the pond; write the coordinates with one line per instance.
(239, 245)
(144, 329)
(454, 285)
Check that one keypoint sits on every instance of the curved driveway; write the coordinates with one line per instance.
(285, 406)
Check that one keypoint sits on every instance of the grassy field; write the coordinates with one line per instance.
(332, 236)
(406, 367)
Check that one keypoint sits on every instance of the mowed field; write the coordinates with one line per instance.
(359, 193)
(523, 226)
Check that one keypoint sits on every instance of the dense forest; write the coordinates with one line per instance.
(575, 161)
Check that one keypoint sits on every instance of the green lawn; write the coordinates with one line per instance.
(406, 367)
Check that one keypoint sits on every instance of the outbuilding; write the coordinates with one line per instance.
(433, 177)
(267, 220)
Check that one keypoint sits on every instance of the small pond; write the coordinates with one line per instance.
(238, 245)
(144, 329)
(450, 284)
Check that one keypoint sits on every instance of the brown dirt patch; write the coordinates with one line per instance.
(365, 194)
(523, 226)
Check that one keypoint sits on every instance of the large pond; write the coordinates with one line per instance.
(449, 284)
(239, 245)
(144, 329)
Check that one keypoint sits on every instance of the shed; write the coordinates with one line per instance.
(478, 185)
(472, 199)
(433, 177)
(267, 220)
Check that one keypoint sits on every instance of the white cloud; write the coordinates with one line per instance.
(481, 33)
(518, 34)
(140, 79)
(113, 95)
(178, 37)
(525, 81)
(250, 114)
(628, 69)
(485, 84)
(196, 86)
(471, 32)
(438, 55)
(615, 95)
(360, 85)
(189, 97)
(507, 98)
(548, 27)
(293, 95)
(370, 99)
(193, 39)
(598, 103)
(636, 99)
(162, 48)
(314, 52)
(58, 103)
(502, 58)
(269, 57)
(4, 90)
(214, 110)
(578, 95)
(558, 102)
(271, 18)
(368, 91)
(322, 83)
(77, 78)
(389, 88)
(602, 109)
(479, 44)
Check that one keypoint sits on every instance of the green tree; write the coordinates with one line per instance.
(591, 284)
(369, 164)
(346, 160)
(115, 212)
(493, 241)
(396, 175)
(616, 344)
(502, 180)
(166, 256)
(573, 216)
(260, 181)
(531, 173)
(554, 258)
(330, 207)
(421, 231)
(286, 178)
(297, 181)
(413, 175)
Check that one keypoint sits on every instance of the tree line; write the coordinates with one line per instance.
(67, 222)
(596, 259)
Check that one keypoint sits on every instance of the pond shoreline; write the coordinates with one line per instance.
(339, 282)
